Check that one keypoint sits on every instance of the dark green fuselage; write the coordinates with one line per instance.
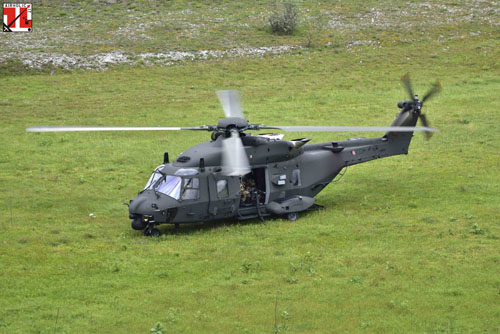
(287, 174)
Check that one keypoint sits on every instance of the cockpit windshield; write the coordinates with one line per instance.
(171, 185)
(153, 178)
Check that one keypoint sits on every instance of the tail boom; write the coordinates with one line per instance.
(358, 150)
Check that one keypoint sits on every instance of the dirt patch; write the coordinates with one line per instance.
(102, 61)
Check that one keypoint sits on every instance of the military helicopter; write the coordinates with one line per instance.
(244, 176)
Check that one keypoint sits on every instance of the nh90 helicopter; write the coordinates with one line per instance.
(244, 176)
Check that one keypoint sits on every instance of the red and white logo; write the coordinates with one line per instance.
(17, 17)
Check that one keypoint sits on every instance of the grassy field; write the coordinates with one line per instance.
(408, 244)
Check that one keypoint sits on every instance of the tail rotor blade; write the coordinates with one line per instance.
(425, 123)
(405, 79)
(436, 88)
(423, 119)
(234, 157)
(231, 102)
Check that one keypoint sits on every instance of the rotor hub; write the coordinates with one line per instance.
(229, 123)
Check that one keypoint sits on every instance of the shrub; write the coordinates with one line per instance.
(476, 229)
(158, 329)
(283, 20)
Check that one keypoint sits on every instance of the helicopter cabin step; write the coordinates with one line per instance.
(245, 213)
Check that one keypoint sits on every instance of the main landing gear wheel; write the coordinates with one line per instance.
(151, 231)
(292, 216)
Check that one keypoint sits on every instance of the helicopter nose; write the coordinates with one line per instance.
(150, 207)
(138, 205)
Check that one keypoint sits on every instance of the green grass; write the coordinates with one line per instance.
(407, 244)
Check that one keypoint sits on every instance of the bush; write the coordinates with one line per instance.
(283, 20)
(158, 329)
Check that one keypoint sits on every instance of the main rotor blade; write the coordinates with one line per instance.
(436, 88)
(234, 157)
(405, 79)
(109, 128)
(231, 102)
(350, 128)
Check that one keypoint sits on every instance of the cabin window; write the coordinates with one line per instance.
(191, 188)
(296, 177)
(222, 190)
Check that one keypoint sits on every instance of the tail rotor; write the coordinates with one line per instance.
(415, 105)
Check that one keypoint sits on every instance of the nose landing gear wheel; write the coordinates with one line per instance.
(151, 231)
(292, 216)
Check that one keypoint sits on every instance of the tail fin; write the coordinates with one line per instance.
(401, 140)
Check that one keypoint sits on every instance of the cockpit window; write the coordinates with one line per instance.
(191, 188)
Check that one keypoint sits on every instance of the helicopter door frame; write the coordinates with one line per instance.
(262, 171)
(268, 185)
